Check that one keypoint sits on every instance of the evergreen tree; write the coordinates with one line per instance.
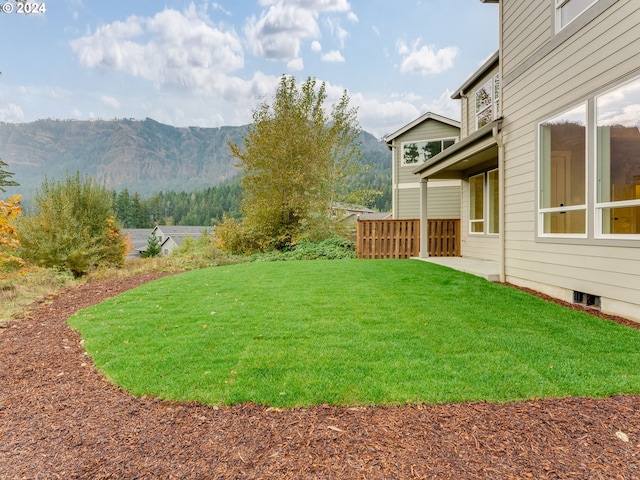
(153, 247)
(4, 178)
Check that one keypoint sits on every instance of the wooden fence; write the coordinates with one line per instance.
(401, 238)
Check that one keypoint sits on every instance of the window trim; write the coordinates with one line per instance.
(494, 90)
(593, 209)
(558, 4)
(486, 198)
(599, 206)
(541, 211)
(420, 162)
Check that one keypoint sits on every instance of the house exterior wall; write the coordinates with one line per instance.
(544, 73)
(468, 124)
(479, 246)
(443, 200)
(406, 185)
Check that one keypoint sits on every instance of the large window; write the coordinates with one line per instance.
(618, 161)
(568, 10)
(483, 203)
(419, 152)
(488, 101)
(563, 174)
(589, 171)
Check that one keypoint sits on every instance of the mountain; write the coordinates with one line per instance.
(143, 156)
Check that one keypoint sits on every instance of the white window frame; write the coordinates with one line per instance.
(420, 156)
(486, 200)
(492, 85)
(566, 208)
(560, 4)
(600, 206)
(594, 208)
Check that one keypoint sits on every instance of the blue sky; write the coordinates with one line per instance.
(209, 64)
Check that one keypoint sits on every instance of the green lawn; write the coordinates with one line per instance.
(351, 332)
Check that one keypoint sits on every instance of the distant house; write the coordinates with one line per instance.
(412, 146)
(171, 237)
(139, 238)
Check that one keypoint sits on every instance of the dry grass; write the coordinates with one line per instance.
(22, 288)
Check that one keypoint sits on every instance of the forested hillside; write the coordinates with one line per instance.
(172, 170)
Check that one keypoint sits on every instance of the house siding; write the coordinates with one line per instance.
(442, 201)
(483, 247)
(599, 54)
(406, 185)
(469, 103)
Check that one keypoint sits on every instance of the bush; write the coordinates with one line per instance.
(202, 252)
(73, 228)
(330, 249)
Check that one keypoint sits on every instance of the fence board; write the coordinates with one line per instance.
(401, 238)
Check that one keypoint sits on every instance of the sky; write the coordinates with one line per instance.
(210, 64)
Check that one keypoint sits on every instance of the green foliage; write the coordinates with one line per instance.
(297, 162)
(202, 252)
(73, 227)
(352, 332)
(329, 249)
(5, 178)
(203, 207)
(153, 247)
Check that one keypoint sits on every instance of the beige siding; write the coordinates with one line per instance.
(406, 184)
(469, 103)
(526, 27)
(442, 202)
(484, 247)
(600, 53)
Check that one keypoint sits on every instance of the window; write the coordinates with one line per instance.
(568, 10)
(562, 170)
(488, 101)
(618, 161)
(604, 169)
(419, 152)
(484, 204)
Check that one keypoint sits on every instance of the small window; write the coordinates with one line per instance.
(484, 213)
(414, 153)
(569, 10)
(488, 101)
(476, 204)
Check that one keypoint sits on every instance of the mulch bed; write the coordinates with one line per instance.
(59, 418)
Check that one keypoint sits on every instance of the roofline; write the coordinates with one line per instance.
(419, 120)
(490, 1)
(485, 131)
(486, 66)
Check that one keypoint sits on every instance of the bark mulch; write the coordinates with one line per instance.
(59, 418)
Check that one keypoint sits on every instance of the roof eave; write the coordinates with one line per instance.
(486, 66)
(485, 131)
(427, 116)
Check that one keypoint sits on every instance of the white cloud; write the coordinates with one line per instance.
(12, 113)
(332, 56)
(110, 101)
(281, 28)
(444, 105)
(425, 60)
(295, 64)
(316, 46)
(169, 48)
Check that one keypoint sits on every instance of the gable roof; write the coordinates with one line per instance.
(486, 66)
(418, 121)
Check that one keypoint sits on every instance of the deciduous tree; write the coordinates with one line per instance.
(297, 159)
(10, 210)
(73, 227)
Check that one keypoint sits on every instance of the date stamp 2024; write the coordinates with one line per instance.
(24, 8)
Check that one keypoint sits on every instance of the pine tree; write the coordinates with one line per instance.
(153, 247)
